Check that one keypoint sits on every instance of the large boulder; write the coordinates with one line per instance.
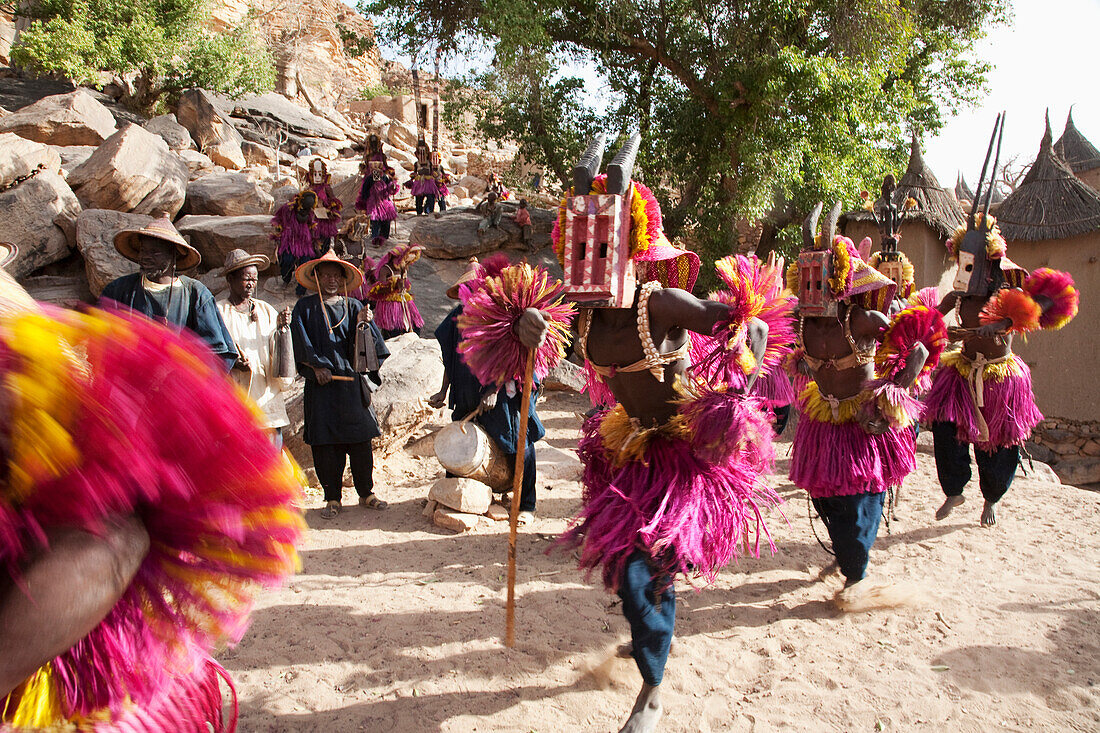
(39, 215)
(413, 371)
(198, 165)
(455, 236)
(175, 134)
(210, 128)
(76, 118)
(473, 184)
(259, 154)
(215, 236)
(72, 156)
(286, 114)
(20, 156)
(95, 237)
(134, 171)
(227, 194)
(401, 135)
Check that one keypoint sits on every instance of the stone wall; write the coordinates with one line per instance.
(1071, 447)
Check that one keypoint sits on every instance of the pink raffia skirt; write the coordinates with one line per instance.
(397, 315)
(774, 388)
(689, 492)
(423, 188)
(1008, 409)
(834, 456)
(328, 227)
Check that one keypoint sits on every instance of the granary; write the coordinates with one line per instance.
(962, 191)
(1053, 219)
(1079, 154)
(924, 227)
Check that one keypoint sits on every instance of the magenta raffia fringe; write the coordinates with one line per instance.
(832, 459)
(1010, 410)
(692, 510)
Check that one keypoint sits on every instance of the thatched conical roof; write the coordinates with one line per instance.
(1075, 149)
(1051, 203)
(962, 191)
(936, 206)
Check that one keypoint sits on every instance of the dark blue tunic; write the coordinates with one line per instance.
(187, 304)
(502, 422)
(334, 413)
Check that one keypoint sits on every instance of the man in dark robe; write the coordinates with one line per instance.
(339, 422)
(500, 411)
(157, 291)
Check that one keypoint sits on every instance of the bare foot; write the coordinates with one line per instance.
(989, 518)
(646, 713)
(948, 504)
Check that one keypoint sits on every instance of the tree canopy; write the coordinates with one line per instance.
(748, 109)
(163, 46)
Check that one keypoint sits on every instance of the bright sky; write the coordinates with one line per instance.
(1045, 58)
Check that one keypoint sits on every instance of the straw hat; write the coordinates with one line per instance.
(305, 278)
(238, 259)
(7, 253)
(473, 269)
(128, 241)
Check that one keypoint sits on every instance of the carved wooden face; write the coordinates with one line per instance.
(895, 270)
(973, 275)
(814, 270)
(598, 270)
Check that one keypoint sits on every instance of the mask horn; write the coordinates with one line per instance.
(589, 165)
(828, 229)
(993, 175)
(981, 178)
(809, 226)
(622, 166)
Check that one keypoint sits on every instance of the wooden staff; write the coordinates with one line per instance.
(517, 494)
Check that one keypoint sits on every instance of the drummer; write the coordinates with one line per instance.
(498, 410)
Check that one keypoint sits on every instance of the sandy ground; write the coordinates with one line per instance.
(394, 624)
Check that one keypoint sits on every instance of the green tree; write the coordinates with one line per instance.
(163, 46)
(749, 109)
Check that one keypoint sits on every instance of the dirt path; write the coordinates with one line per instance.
(394, 624)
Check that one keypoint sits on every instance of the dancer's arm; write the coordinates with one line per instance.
(63, 593)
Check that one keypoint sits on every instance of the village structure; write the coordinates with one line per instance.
(391, 614)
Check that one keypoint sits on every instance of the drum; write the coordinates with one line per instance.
(466, 450)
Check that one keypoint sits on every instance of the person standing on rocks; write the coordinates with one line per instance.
(376, 198)
(339, 420)
(253, 324)
(296, 235)
(159, 292)
(328, 207)
(498, 410)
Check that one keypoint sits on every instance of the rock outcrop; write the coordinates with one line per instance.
(95, 235)
(210, 128)
(39, 215)
(227, 194)
(76, 118)
(413, 371)
(215, 236)
(20, 156)
(175, 134)
(455, 236)
(132, 171)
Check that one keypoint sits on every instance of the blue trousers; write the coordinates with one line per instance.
(380, 228)
(853, 525)
(995, 470)
(652, 619)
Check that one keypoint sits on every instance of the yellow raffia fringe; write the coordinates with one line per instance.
(908, 272)
(625, 442)
(990, 372)
(814, 406)
(39, 702)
